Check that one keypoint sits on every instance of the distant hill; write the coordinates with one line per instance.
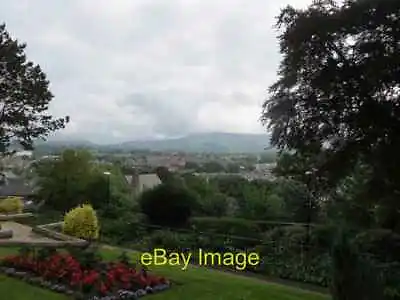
(216, 142)
(53, 145)
(206, 142)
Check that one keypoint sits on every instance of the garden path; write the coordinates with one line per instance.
(23, 233)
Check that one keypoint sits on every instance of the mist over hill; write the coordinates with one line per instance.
(216, 142)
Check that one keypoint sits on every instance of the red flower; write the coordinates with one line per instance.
(66, 268)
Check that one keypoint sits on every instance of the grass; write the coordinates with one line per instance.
(195, 283)
(14, 289)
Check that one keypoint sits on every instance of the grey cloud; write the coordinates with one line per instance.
(172, 113)
(133, 69)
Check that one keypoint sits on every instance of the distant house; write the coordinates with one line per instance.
(148, 181)
(142, 182)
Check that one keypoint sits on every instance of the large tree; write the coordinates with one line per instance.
(64, 183)
(169, 204)
(24, 97)
(337, 97)
(74, 179)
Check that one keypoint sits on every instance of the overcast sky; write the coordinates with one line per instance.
(133, 69)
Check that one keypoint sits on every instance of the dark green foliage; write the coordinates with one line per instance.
(89, 258)
(44, 253)
(63, 183)
(168, 204)
(230, 226)
(164, 174)
(298, 201)
(254, 200)
(165, 239)
(115, 231)
(74, 179)
(128, 227)
(124, 258)
(200, 185)
(239, 226)
(258, 203)
(230, 185)
(338, 86)
(214, 205)
(384, 244)
(322, 236)
(257, 200)
(24, 97)
(98, 190)
(211, 201)
(351, 203)
(25, 251)
(353, 276)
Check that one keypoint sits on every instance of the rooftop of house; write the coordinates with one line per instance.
(149, 180)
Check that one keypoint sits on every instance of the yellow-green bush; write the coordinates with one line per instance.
(81, 222)
(11, 205)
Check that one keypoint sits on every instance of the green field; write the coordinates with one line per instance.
(195, 283)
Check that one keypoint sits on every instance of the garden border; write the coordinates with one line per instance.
(62, 240)
(14, 217)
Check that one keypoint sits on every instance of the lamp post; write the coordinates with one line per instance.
(107, 174)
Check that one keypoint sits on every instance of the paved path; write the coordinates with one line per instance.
(23, 233)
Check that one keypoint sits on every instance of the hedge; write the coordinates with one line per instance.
(237, 226)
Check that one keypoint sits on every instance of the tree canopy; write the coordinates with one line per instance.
(169, 204)
(24, 97)
(336, 102)
(74, 179)
(63, 183)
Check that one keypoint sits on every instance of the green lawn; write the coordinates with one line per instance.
(14, 289)
(194, 283)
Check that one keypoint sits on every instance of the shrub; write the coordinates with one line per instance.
(127, 228)
(242, 233)
(383, 246)
(81, 222)
(322, 236)
(231, 226)
(286, 241)
(114, 231)
(166, 239)
(383, 243)
(168, 204)
(12, 205)
(353, 276)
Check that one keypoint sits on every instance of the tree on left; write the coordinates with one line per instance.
(24, 97)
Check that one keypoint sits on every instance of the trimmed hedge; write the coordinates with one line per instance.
(229, 226)
(11, 205)
(282, 249)
(238, 226)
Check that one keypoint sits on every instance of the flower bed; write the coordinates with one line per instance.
(64, 273)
